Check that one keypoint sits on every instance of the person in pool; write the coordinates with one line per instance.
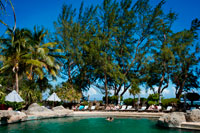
(109, 118)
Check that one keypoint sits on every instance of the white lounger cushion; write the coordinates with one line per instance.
(169, 108)
(86, 107)
(93, 108)
(123, 107)
(129, 107)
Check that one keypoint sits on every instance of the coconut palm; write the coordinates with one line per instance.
(42, 55)
(23, 51)
(13, 49)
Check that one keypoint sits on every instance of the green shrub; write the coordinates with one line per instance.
(15, 105)
(152, 103)
(112, 99)
(128, 101)
(153, 97)
(85, 103)
(169, 102)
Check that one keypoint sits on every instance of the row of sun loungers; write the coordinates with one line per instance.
(123, 108)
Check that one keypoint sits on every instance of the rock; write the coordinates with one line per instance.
(172, 120)
(58, 108)
(61, 111)
(12, 116)
(20, 116)
(193, 116)
(35, 109)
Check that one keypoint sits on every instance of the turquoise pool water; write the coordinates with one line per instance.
(88, 125)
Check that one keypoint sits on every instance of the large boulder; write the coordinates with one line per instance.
(173, 120)
(12, 116)
(193, 116)
(35, 109)
(58, 108)
(61, 111)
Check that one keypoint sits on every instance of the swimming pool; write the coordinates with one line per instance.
(88, 125)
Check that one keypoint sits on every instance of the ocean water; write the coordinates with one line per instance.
(88, 125)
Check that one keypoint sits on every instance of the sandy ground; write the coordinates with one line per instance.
(117, 114)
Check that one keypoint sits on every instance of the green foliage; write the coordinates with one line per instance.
(128, 101)
(169, 102)
(116, 46)
(15, 105)
(85, 103)
(153, 99)
(112, 99)
(193, 97)
(68, 93)
(152, 103)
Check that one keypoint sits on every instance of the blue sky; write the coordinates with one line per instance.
(44, 12)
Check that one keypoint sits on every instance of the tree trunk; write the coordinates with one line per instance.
(16, 81)
(134, 101)
(105, 87)
(178, 95)
(192, 103)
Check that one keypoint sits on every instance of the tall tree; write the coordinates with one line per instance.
(13, 50)
(186, 50)
(162, 61)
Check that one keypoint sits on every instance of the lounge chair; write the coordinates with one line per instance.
(169, 109)
(142, 109)
(81, 107)
(159, 108)
(123, 108)
(86, 108)
(92, 108)
(130, 108)
(116, 108)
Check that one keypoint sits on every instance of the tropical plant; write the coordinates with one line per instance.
(14, 49)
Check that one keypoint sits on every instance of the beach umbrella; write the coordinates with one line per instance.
(14, 97)
(54, 98)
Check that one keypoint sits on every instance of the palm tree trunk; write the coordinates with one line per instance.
(16, 82)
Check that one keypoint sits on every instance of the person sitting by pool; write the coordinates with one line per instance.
(109, 118)
(10, 109)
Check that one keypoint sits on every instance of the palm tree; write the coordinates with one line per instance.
(42, 55)
(134, 91)
(13, 49)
